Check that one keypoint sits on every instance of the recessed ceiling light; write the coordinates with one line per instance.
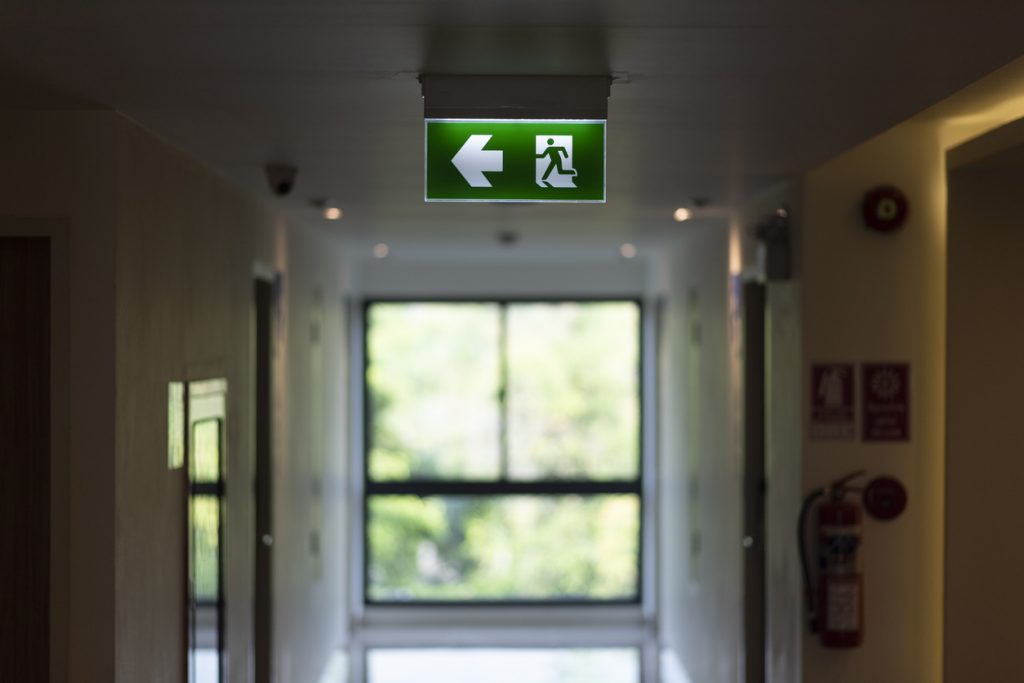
(381, 250)
(681, 215)
(332, 213)
(628, 250)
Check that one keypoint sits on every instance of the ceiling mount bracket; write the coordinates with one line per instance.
(515, 97)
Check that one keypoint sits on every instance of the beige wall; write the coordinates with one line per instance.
(159, 254)
(700, 515)
(870, 297)
(985, 471)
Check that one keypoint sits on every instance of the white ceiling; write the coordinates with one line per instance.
(721, 98)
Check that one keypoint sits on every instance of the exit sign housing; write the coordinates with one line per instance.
(514, 160)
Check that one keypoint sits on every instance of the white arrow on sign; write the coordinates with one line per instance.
(472, 160)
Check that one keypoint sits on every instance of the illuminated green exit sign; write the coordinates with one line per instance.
(499, 160)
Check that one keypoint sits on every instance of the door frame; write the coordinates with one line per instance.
(59, 614)
(265, 291)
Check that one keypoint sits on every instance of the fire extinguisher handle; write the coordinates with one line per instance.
(839, 486)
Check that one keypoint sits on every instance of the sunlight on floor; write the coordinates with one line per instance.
(206, 666)
(672, 670)
(535, 665)
(337, 669)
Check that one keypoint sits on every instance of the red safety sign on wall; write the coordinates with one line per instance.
(832, 401)
(886, 401)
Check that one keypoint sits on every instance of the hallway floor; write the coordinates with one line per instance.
(503, 665)
(512, 665)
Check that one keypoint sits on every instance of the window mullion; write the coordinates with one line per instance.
(585, 487)
(503, 391)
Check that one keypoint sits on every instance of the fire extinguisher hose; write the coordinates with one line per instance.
(801, 539)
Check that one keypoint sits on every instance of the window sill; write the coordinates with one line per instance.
(514, 625)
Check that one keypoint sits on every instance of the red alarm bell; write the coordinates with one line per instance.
(885, 208)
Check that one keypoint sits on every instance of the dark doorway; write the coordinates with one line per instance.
(985, 373)
(263, 594)
(24, 459)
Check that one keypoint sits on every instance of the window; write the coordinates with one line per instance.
(503, 452)
(206, 504)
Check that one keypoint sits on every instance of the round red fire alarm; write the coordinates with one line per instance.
(885, 208)
(885, 498)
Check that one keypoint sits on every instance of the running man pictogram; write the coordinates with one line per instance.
(554, 161)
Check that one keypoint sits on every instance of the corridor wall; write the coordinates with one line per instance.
(59, 181)
(872, 297)
(700, 468)
(158, 265)
(186, 245)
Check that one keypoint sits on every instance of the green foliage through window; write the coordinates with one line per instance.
(489, 426)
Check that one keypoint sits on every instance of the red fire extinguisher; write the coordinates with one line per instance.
(836, 604)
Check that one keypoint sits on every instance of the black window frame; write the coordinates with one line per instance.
(494, 488)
